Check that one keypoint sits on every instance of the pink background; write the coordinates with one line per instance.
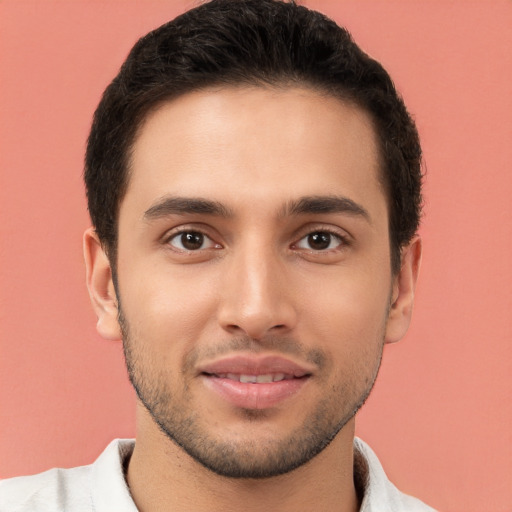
(440, 417)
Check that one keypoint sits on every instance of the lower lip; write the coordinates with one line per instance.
(248, 395)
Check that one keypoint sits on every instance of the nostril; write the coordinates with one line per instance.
(233, 328)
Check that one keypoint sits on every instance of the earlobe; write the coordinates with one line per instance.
(101, 287)
(404, 285)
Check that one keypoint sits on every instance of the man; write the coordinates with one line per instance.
(254, 182)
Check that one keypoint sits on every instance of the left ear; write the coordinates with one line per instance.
(404, 284)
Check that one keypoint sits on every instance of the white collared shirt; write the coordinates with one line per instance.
(101, 486)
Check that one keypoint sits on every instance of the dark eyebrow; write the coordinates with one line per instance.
(326, 204)
(171, 205)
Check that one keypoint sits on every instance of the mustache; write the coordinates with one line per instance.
(279, 345)
(271, 343)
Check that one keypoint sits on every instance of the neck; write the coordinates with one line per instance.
(162, 477)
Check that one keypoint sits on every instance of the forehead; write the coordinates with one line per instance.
(266, 144)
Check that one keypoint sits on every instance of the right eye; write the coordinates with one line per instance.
(192, 241)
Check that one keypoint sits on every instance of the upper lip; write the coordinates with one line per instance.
(255, 365)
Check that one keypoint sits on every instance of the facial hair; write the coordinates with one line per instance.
(170, 408)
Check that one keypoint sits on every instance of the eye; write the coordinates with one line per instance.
(192, 241)
(320, 241)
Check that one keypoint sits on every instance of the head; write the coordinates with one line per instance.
(250, 43)
(254, 184)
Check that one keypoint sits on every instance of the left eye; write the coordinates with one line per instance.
(191, 241)
(320, 241)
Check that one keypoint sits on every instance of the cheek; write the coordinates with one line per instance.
(166, 304)
(347, 315)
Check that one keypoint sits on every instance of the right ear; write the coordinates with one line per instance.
(101, 287)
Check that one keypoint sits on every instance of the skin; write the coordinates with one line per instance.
(257, 284)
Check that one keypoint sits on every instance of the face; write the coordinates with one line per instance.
(254, 274)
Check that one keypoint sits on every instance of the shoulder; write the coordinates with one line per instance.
(80, 489)
(378, 490)
(53, 490)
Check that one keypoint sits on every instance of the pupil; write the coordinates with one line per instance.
(319, 241)
(192, 240)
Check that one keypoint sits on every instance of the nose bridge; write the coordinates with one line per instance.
(254, 299)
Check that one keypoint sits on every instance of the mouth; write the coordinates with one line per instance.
(254, 379)
(255, 383)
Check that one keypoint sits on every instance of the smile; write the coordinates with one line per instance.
(251, 382)
(255, 379)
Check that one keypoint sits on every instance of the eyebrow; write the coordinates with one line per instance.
(326, 204)
(171, 205)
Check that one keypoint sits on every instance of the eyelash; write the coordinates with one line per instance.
(182, 231)
(343, 240)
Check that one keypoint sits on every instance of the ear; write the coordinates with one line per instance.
(101, 287)
(404, 284)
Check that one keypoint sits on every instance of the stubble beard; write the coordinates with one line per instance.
(251, 458)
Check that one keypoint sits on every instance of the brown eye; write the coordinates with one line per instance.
(191, 241)
(320, 241)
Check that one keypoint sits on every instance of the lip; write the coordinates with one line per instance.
(251, 395)
(256, 365)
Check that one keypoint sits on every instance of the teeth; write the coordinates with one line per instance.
(253, 379)
(248, 378)
(264, 378)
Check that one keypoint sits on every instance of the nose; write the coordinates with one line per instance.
(257, 300)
